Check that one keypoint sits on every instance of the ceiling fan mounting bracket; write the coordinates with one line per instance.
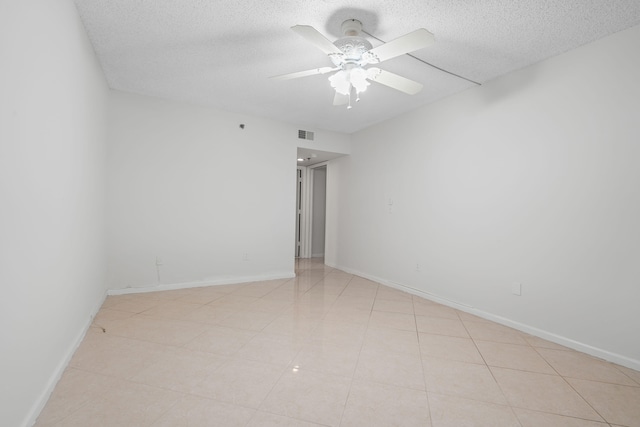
(351, 28)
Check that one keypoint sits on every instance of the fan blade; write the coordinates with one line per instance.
(323, 70)
(408, 43)
(340, 99)
(315, 37)
(394, 81)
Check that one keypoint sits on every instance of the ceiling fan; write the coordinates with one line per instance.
(352, 54)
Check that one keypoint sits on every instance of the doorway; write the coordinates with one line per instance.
(300, 172)
(311, 196)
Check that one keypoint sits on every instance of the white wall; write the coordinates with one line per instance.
(52, 156)
(319, 209)
(186, 184)
(531, 178)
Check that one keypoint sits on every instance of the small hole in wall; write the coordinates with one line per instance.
(241, 125)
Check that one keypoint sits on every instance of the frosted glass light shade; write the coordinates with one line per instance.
(343, 80)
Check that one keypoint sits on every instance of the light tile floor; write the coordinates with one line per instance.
(325, 349)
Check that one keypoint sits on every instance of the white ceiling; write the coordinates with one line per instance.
(222, 53)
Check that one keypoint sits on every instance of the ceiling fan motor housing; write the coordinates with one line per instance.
(353, 49)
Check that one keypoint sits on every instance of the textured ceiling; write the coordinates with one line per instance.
(222, 53)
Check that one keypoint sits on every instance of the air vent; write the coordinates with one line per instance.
(305, 134)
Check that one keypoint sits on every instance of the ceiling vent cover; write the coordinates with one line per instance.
(305, 134)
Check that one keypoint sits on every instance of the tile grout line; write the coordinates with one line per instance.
(570, 385)
(491, 372)
(424, 376)
(285, 370)
(355, 369)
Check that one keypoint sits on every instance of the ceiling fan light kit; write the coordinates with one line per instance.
(352, 54)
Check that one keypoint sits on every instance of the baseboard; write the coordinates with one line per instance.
(201, 283)
(549, 336)
(57, 373)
